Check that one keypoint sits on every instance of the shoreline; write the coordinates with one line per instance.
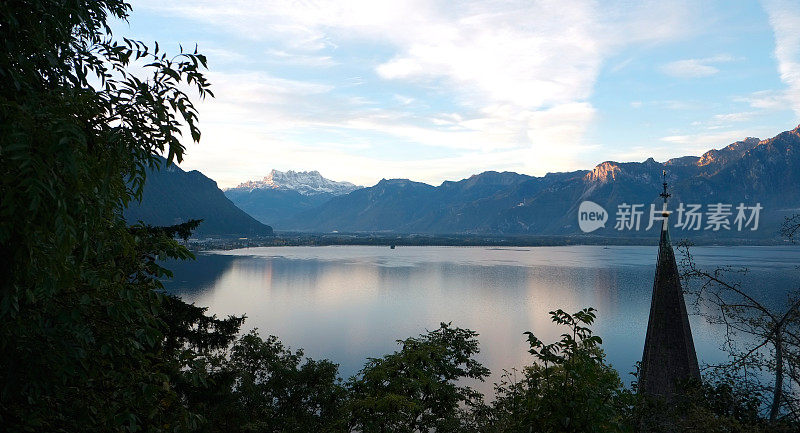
(454, 240)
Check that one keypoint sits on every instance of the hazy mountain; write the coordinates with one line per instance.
(172, 195)
(398, 202)
(281, 195)
(405, 206)
(748, 171)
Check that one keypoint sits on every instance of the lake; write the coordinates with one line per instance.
(348, 303)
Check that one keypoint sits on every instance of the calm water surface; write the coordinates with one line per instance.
(347, 303)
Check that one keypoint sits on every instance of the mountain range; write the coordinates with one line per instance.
(748, 172)
(172, 196)
(279, 196)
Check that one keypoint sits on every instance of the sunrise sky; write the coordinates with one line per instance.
(364, 90)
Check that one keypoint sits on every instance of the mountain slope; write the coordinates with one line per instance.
(391, 205)
(272, 206)
(172, 195)
(402, 205)
(749, 171)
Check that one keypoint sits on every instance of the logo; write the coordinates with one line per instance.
(591, 216)
(717, 216)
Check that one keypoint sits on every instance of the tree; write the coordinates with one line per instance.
(569, 388)
(790, 227)
(83, 326)
(416, 389)
(718, 405)
(273, 390)
(763, 340)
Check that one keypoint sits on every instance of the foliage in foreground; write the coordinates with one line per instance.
(88, 340)
(568, 388)
(761, 335)
(415, 389)
(262, 386)
(84, 331)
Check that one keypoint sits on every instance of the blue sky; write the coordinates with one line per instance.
(433, 91)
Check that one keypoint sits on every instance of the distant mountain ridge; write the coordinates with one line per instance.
(747, 171)
(172, 196)
(281, 195)
(304, 182)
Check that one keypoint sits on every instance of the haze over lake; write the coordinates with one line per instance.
(347, 303)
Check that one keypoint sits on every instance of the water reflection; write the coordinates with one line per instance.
(349, 303)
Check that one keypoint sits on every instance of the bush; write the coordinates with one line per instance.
(568, 388)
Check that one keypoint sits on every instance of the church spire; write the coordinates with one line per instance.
(665, 194)
(664, 213)
(669, 355)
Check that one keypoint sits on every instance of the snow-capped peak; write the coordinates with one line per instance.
(304, 182)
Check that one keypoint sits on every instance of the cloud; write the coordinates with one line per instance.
(287, 58)
(702, 142)
(692, 68)
(695, 68)
(621, 65)
(257, 99)
(784, 17)
(734, 117)
(290, 107)
(402, 99)
(767, 100)
(675, 105)
(696, 144)
(222, 55)
(720, 121)
(517, 78)
(531, 56)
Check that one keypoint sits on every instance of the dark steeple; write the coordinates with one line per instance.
(669, 356)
